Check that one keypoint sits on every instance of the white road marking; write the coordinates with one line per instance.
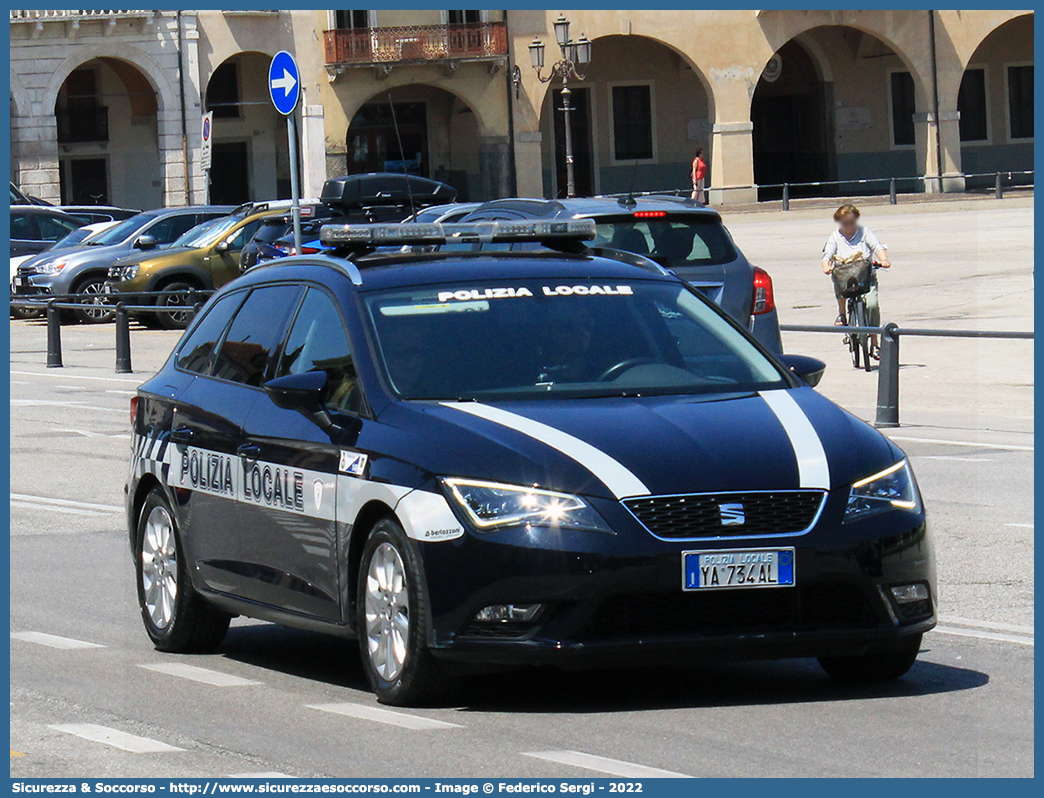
(25, 497)
(122, 381)
(91, 434)
(121, 392)
(52, 509)
(974, 444)
(999, 627)
(813, 468)
(954, 458)
(365, 712)
(272, 774)
(196, 674)
(617, 477)
(70, 405)
(115, 738)
(999, 636)
(614, 767)
(54, 641)
(1021, 526)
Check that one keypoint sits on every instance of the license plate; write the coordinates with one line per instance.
(19, 281)
(730, 569)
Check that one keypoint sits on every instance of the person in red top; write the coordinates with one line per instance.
(699, 176)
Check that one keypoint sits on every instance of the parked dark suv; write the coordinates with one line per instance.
(687, 238)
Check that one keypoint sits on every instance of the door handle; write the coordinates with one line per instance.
(249, 450)
(181, 434)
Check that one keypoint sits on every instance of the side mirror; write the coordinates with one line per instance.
(146, 242)
(222, 246)
(304, 393)
(809, 369)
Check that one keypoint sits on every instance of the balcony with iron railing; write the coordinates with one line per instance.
(66, 14)
(479, 41)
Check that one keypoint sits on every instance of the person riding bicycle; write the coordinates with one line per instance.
(852, 243)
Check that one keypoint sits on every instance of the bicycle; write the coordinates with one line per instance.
(855, 279)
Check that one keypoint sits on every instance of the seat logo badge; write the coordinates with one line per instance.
(317, 493)
(353, 463)
(732, 514)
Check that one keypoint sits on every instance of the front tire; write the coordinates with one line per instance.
(96, 307)
(876, 666)
(176, 617)
(171, 297)
(392, 621)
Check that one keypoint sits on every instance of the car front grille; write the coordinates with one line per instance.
(707, 515)
(750, 611)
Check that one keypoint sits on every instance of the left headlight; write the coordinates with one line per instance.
(51, 267)
(493, 505)
(893, 488)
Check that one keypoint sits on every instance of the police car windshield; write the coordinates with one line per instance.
(571, 338)
(121, 231)
(674, 240)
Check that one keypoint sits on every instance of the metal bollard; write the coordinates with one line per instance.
(892, 198)
(999, 187)
(888, 379)
(123, 348)
(786, 196)
(54, 336)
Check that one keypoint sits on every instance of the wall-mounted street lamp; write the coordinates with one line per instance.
(574, 54)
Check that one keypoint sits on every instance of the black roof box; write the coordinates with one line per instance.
(385, 188)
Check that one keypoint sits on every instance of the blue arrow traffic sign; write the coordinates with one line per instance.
(284, 82)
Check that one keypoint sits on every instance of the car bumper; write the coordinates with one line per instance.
(618, 599)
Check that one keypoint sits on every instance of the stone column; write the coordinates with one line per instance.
(313, 150)
(732, 164)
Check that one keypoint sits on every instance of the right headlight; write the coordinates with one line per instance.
(51, 266)
(493, 505)
(891, 489)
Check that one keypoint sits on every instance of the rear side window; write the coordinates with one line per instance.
(51, 229)
(171, 227)
(22, 227)
(317, 342)
(197, 348)
(255, 333)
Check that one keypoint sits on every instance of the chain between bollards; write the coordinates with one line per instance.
(123, 346)
(54, 336)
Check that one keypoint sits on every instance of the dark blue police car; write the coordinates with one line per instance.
(495, 458)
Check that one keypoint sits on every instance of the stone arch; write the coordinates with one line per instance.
(398, 82)
(165, 95)
(21, 106)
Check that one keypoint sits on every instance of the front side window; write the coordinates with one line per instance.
(632, 123)
(196, 349)
(570, 337)
(171, 228)
(22, 227)
(317, 342)
(254, 334)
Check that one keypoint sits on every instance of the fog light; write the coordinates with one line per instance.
(506, 613)
(906, 594)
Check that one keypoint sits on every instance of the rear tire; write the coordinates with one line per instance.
(170, 299)
(96, 307)
(176, 617)
(392, 621)
(877, 666)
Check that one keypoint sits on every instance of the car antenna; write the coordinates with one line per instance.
(402, 155)
(629, 200)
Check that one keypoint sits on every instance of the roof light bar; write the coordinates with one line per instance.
(366, 236)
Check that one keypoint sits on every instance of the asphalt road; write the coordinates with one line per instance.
(89, 695)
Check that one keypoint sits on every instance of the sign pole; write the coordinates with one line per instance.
(295, 193)
(284, 87)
